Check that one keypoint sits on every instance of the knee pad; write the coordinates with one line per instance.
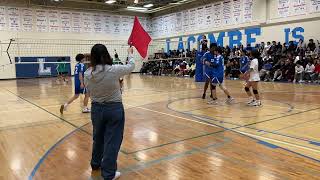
(246, 89)
(255, 91)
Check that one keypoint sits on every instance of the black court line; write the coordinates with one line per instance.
(250, 124)
(29, 125)
(62, 119)
(224, 128)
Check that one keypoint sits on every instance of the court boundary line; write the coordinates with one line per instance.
(79, 128)
(290, 109)
(232, 130)
(201, 121)
(261, 130)
(38, 106)
(44, 157)
(205, 123)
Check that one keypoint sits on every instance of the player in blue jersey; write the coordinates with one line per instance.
(244, 64)
(79, 85)
(200, 71)
(216, 62)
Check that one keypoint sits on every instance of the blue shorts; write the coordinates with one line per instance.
(207, 77)
(243, 71)
(79, 90)
(217, 80)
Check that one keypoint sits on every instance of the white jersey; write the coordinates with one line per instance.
(254, 73)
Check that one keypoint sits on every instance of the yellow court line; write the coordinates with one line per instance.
(248, 134)
(278, 141)
(179, 117)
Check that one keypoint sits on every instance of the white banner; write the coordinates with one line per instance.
(247, 10)
(172, 23)
(185, 20)
(97, 23)
(193, 19)
(54, 21)
(299, 7)
(27, 19)
(66, 21)
(217, 12)
(76, 22)
(161, 26)
(283, 8)
(178, 27)
(165, 26)
(87, 23)
(3, 18)
(315, 5)
(41, 20)
(149, 24)
(227, 12)
(107, 23)
(125, 25)
(208, 17)
(237, 11)
(116, 24)
(14, 18)
(200, 18)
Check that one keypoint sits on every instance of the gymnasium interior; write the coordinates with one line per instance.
(172, 129)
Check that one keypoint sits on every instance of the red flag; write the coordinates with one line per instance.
(139, 38)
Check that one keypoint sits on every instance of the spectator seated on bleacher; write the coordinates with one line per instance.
(309, 71)
(192, 70)
(299, 70)
(288, 70)
(265, 72)
(316, 75)
(277, 70)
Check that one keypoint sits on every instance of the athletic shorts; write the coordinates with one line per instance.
(79, 90)
(208, 74)
(243, 71)
(217, 80)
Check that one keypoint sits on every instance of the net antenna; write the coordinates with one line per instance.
(9, 45)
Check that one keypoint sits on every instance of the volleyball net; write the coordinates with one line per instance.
(20, 51)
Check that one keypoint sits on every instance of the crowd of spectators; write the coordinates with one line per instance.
(175, 62)
(292, 62)
(280, 62)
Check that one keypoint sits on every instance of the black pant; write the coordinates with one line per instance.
(108, 125)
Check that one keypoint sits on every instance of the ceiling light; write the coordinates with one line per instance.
(132, 8)
(111, 1)
(148, 5)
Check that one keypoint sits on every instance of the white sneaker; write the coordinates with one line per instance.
(86, 110)
(256, 103)
(250, 102)
(117, 175)
(212, 102)
(229, 100)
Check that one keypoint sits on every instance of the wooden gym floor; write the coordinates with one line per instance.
(170, 132)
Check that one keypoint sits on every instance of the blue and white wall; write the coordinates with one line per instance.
(271, 20)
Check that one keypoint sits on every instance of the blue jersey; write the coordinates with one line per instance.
(208, 56)
(79, 69)
(244, 64)
(199, 58)
(218, 64)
